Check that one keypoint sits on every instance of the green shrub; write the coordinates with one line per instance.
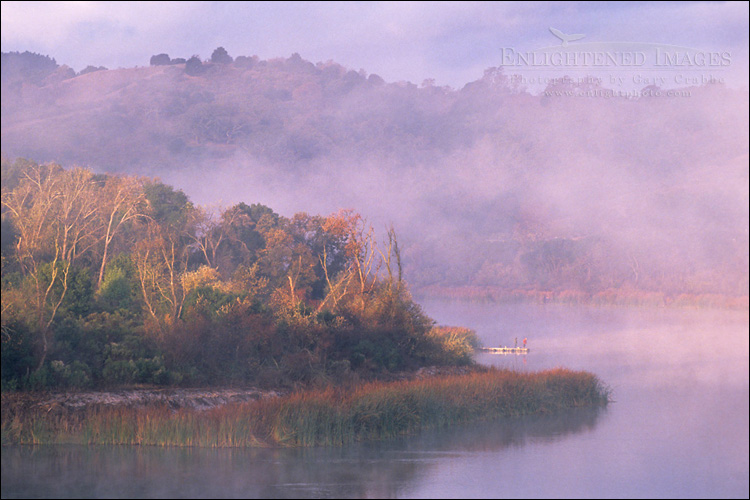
(116, 290)
(120, 371)
(17, 354)
(73, 376)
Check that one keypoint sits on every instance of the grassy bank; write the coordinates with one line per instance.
(328, 417)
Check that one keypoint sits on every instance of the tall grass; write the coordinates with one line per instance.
(333, 416)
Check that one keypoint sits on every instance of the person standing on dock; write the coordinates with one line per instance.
(524, 342)
(516, 342)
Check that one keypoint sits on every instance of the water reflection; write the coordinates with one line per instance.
(679, 428)
(370, 470)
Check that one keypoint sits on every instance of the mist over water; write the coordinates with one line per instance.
(487, 185)
(677, 428)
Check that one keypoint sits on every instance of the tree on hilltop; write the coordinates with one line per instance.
(220, 56)
(91, 69)
(160, 60)
(194, 66)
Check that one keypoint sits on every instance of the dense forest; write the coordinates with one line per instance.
(113, 279)
(495, 190)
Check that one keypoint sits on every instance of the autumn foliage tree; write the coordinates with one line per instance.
(115, 280)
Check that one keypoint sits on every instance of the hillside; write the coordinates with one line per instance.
(491, 186)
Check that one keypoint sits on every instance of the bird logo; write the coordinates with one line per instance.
(565, 38)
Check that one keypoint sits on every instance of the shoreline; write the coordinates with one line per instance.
(331, 416)
(174, 398)
(191, 398)
(610, 297)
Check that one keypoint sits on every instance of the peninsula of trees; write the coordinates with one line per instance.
(112, 279)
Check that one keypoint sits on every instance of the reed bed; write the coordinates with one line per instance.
(333, 416)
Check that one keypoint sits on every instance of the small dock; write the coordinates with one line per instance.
(505, 350)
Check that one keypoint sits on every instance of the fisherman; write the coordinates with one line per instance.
(524, 342)
(516, 346)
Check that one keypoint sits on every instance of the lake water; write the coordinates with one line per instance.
(678, 426)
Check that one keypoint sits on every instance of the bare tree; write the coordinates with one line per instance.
(209, 232)
(122, 200)
(160, 260)
(391, 253)
(338, 288)
(55, 213)
(359, 250)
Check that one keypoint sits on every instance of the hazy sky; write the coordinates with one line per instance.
(451, 42)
